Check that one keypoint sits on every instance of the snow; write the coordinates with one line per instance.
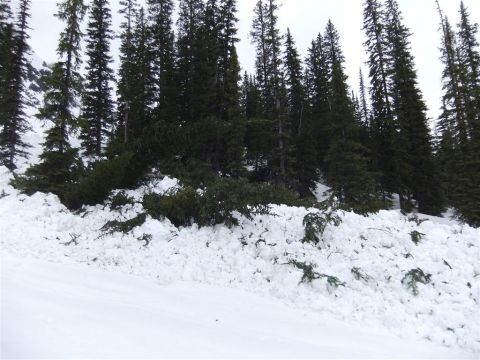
(74, 311)
(247, 273)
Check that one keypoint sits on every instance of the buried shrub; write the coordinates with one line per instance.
(416, 237)
(96, 185)
(219, 203)
(315, 225)
(309, 274)
(182, 208)
(124, 226)
(119, 200)
(413, 277)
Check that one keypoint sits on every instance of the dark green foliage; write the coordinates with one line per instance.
(358, 274)
(217, 203)
(458, 145)
(97, 110)
(413, 277)
(162, 44)
(125, 226)
(59, 166)
(416, 167)
(316, 223)
(383, 127)
(56, 171)
(309, 274)
(120, 200)
(13, 74)
(416, 237)
(95, 185)
(347, 170)
(182, 208)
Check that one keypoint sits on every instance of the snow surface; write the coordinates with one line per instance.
(252, 258)
(74, 311)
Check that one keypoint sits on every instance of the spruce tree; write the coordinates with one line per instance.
(13, 122)
(364, 108)
(267, 39)
(457, 148)
(97, 110)
(163, 38)
(58, 161)
(126, 73)
(318, 92)
(190, 19)
(469, 61)
(304, 174)
(383, 128)
(143, 83)
(453, 145)
(348, 173)
(347, 165)
(416, 166)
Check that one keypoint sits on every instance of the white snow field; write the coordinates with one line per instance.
(162, 300)
(69, 311)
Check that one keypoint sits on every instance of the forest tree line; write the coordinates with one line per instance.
(181, 104)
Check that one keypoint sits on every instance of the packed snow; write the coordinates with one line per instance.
(248, 269)
(72, 311)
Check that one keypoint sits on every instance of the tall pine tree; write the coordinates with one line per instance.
(383, 127)
(13, 122)
(57, 163)
(163, 38)
(417, 168)
(97, 110)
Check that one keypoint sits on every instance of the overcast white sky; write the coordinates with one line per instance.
(306, 18)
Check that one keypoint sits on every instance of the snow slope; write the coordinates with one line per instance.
(255, 256)
(71, 311)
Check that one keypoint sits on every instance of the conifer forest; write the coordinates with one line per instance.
(203, 179)
(180, 104)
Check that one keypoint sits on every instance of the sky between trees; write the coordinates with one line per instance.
(305, 18)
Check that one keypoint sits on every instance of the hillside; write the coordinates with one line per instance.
(365, 259)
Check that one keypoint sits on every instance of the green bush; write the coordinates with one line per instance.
(124, 226)
(182, 208)
(119, 200)
(416, 237)
(217, 204)
(97, 183)
(309, 274)
(315, 225)
(413, 277)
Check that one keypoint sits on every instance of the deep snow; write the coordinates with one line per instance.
(71, 311)
(254, 258)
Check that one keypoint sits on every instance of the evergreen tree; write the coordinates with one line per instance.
(97, 107)
(417, 169)
(347, 172)
(189, 21)
(299, 127)
(58, 159)
(13, 122)
(318, 92)
(469, 61)
(163, 38)
(383, 128)
(126, 73)
(457, 149)
(143, 83)
(267, 39)
(364, 109)
(452, 127)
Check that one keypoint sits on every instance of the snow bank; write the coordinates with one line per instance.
(255, 257)
(70, 311)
